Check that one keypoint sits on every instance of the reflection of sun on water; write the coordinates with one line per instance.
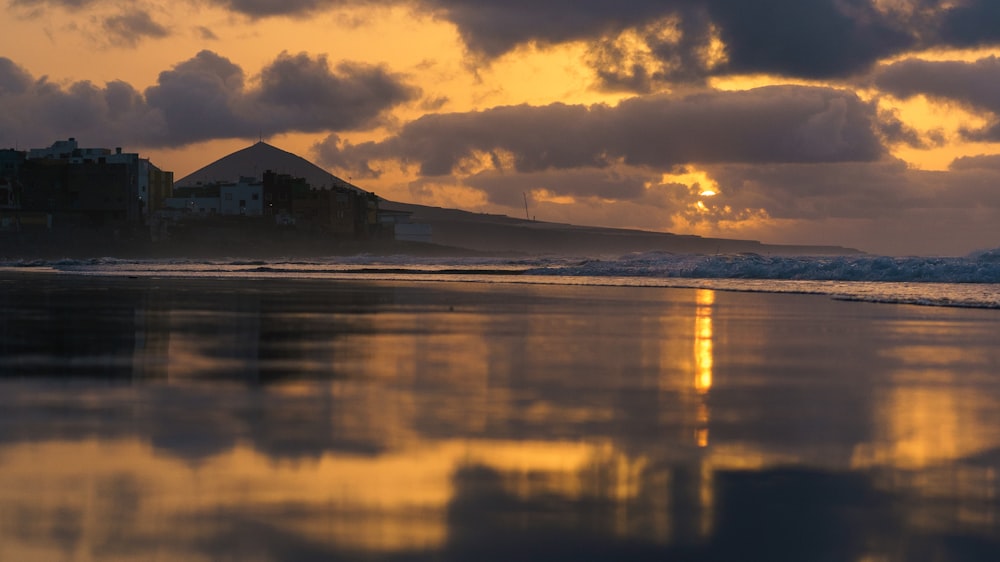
(703, 341)
(703, 359)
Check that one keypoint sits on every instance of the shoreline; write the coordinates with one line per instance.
(88, 246)
(956, 296)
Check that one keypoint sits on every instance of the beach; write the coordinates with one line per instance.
(315, 419)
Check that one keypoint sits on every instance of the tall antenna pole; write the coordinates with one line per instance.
(526, 216)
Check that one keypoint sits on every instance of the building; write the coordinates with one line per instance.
(398, 225)
(97, 187)
(202, 201)
(10, 166)
(161, 186)
(339, 212)
(243, 198)
(280, 191)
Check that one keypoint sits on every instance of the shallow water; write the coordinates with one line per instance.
(969, 282)
(265, 419)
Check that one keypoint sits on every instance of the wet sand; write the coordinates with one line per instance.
(299, 420)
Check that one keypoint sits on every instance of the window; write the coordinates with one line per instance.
(229, 197)
(256, 197)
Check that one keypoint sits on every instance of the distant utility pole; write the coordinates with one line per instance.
(526, 216)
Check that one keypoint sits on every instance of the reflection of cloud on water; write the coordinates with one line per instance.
(394, 501)
(397, 421)
(464, 498)
(937, 431)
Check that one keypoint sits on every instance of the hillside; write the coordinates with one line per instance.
(500, 233)
(486, 232)
(254, 160)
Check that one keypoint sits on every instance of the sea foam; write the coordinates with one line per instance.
(980, 268)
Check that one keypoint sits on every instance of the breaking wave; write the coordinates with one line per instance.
(980, 268)
(970, 281)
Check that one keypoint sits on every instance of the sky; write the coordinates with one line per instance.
(873, 124)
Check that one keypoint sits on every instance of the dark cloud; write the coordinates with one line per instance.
(265, 8)
(205, 33)
(816, 39)
(72, 4)
(980, 162)
(302, 92)
(252, 8)
(13, 78)
(894, 131)
(975, 85)
(971, 23)
(36, 110)
(201, 98)
(130, 28)
(820, 39)
(774, 124)
(206, 97)
(671, 48)
(495, 28)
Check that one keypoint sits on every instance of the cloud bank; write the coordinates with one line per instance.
(975, 85)
(771, 124)
(205, 97)
(818, 39)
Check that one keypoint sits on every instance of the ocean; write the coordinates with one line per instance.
(646, 407)
(971, 281)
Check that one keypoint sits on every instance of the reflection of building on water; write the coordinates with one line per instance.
(48, 330)
(222, 331)
(152, 339)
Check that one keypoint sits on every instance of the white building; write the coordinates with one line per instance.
(245, 198)
(199, 206)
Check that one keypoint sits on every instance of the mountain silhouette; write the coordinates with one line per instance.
(254, 160)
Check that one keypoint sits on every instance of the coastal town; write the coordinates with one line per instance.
(66, 192)
(66, 200)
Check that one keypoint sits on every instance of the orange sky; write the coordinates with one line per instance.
(456, 66)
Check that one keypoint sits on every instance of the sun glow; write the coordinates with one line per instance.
(545, 196)
(697, 181)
